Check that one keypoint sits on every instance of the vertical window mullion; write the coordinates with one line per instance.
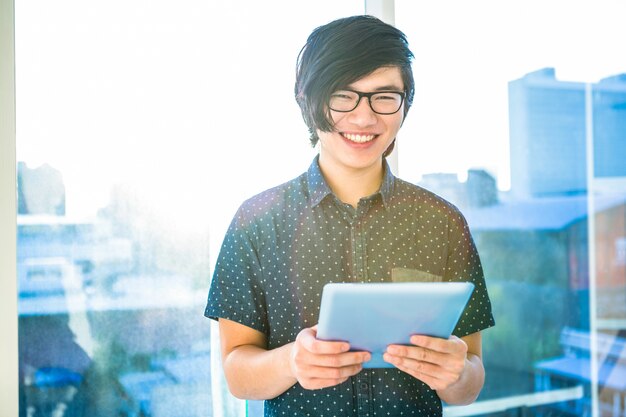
(8, 268)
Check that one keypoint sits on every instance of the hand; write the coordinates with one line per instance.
(319, 364)
(439, 363)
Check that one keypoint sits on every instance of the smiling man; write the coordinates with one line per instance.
(346, 219)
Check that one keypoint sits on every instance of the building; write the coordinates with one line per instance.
(535, 254)
(548, 133)
(92, 323)
(479, 190)
(58, 255)
(40, 190)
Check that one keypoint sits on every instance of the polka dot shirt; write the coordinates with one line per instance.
(284, 244)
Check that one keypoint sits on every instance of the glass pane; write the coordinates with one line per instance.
(606, 103)
(519, 120)
(112, 244)
(141, 126)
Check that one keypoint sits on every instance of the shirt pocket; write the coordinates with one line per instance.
(413, 275)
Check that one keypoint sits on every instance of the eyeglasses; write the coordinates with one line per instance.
(381, 102)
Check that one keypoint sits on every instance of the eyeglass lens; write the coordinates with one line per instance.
(382, 103)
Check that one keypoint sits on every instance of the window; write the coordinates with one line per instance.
(140, 127)
(519, 120)
(124, 195)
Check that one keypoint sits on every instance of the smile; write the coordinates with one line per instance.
(358, 138)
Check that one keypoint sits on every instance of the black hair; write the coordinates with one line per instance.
(340, 53)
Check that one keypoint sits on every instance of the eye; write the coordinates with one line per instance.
(342, 95)
(386, 97)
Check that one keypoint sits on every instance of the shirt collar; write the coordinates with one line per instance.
(386, 188)
(319, 189)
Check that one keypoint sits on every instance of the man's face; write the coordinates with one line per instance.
(361, 136)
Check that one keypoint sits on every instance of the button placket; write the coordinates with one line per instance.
(364, 395)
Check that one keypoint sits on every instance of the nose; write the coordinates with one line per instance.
(363, 115)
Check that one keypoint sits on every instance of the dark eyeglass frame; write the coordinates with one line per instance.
(369, 100)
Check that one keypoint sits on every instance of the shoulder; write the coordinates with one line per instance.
(274, 202)
(421, 200)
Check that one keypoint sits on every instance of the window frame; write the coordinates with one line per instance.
(9, 402)
(383, 9)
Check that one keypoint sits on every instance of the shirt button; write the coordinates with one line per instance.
(363, 385)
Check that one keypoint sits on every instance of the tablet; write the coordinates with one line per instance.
(371, 316)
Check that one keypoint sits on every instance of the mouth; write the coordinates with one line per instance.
(359, 137)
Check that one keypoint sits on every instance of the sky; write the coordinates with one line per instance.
(193, 105)
(468, 51)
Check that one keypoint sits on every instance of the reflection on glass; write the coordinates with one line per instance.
(531, 239)
(127, 153)
(539, 169)
(535, 242)
(113, 249)
(105, 308)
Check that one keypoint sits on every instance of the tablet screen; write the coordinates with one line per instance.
(371, 316)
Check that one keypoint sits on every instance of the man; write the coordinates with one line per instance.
(347, 219)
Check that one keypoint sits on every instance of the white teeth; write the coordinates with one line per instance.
(358, 138)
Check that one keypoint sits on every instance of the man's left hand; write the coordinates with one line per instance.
(439, 363)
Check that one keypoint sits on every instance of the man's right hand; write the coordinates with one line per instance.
(319, 364)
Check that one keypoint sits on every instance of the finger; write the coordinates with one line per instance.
(307, 360)
(433, 363)
(409, 364)
(451, 345)
(402, 364)
(432, 375)
(307, 338)
(323, 372)
(342, 359)
(418, 353)
(323, 347)
(429, 380)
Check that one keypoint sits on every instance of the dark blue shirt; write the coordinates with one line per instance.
(284, 244)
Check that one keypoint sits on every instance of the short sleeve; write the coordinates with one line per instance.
(463, 264)
(235, 293)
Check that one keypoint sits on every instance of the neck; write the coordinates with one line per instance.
(350, 185)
